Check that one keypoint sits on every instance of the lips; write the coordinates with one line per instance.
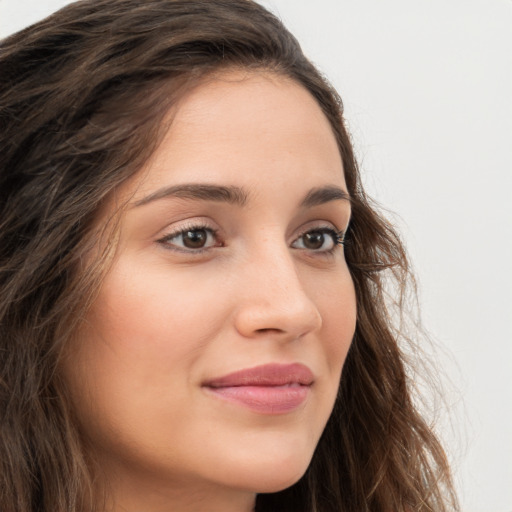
(266, 389)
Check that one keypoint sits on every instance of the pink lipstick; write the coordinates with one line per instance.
(266, 389)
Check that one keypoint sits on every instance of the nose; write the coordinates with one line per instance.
(274, 302)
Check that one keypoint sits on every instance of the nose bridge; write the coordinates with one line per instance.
(275, 298)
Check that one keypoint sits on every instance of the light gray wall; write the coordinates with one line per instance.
(428, 94)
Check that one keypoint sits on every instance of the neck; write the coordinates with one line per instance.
(150, 495)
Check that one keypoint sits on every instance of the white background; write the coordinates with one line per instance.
(428, 93)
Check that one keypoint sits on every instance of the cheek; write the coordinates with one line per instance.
(155, 313)
(141, 340)
(336, 301)
(339, 322)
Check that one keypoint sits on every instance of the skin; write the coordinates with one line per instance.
(168, 318)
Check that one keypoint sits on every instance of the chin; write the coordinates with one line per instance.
(279, 482)
(273, 475)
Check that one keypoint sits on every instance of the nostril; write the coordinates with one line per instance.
(268, 330)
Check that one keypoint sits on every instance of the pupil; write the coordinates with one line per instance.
(314, 240)
(194, 239)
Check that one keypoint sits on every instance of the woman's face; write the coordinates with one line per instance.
(212, 355)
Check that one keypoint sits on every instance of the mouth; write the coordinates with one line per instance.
(267, 389)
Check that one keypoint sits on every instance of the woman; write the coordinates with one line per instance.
(193, 310)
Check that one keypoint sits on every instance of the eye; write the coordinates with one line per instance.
(319, 240)
(191, 239)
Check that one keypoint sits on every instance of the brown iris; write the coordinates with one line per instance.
(195, 239)
(314, 240)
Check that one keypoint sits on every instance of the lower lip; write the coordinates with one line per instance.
(265, 399)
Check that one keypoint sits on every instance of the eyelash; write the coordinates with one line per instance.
(338, 238)
(193, 227)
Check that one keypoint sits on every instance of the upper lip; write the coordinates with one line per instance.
(273, 374)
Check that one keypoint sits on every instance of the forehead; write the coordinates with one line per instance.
(244, 129)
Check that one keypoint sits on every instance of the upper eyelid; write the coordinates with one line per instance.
(321, 225)
(188, 225)
(204, 224)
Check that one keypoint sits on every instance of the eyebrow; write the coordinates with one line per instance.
(322, 195)
(205, 192)
(238, 196)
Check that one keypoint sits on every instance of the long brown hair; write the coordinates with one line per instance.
(82, 98)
